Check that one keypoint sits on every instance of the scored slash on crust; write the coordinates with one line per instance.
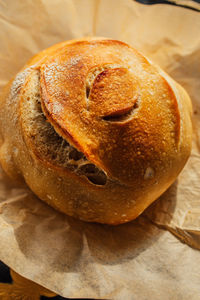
(123, 111)
(47, 143)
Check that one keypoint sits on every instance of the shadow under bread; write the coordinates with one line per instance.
(48, 237)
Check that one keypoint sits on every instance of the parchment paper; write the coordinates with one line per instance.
(146, 258)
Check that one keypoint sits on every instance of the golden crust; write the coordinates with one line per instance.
(125, 114)
(111, 93)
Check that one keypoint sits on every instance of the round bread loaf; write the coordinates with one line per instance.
(95, 129)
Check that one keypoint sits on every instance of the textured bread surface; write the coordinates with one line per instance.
(95, 129)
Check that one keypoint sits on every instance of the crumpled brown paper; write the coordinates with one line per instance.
(141, 259)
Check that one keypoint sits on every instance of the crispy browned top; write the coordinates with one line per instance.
(111, 103)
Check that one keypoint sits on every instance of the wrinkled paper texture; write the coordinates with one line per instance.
(157, 254)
